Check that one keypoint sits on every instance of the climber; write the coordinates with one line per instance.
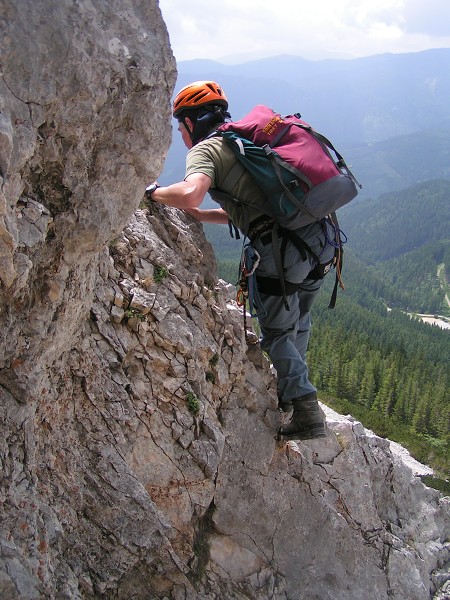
(285, 322)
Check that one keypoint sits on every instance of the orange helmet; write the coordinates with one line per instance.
(197, 94)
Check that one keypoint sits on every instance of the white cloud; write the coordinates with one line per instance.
(319, 29)
(431, 18)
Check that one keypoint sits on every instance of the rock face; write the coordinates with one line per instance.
(82, 126)
(137, 447)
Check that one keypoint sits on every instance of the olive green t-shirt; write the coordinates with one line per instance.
(214, 158)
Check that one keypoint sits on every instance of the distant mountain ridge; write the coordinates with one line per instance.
(397, 223)
(401, 161)
(365, 99)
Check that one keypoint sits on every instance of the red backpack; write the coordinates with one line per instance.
(292, 164)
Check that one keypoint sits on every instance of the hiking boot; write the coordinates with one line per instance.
(307, 421)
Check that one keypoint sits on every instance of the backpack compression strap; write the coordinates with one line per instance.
(273, 157)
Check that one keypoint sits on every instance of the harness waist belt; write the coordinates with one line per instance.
(259, 226)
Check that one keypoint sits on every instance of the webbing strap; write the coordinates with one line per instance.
(233, 229)
(277, 161)
(339, 261)
(301, 245)
(278, 255)
(271, 286)
(337, 280)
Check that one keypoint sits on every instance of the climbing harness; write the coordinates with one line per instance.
(249, 284)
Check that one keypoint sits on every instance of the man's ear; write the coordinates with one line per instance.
(189, 124)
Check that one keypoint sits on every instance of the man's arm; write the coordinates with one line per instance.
(187, 194)
(212, 215)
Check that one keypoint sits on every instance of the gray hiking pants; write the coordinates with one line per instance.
(285, 333)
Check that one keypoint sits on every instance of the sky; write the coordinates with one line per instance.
(233, 31)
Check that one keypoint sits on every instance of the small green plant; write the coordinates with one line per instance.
(160, 273)
(210, 376)
(134, 313)
(214, 360)
(193, 403)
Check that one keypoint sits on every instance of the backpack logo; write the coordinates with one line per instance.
(270, 128)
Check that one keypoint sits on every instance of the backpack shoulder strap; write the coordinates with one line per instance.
(232, 177)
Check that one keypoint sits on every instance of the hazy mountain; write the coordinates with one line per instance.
(401, 161)
(365, 99)
(400, 222)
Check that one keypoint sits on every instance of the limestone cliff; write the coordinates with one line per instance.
(137, 447)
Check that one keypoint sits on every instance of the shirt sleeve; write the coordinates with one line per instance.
(201, 159)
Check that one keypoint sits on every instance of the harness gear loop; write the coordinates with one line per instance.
(338, 258)
(245, 294)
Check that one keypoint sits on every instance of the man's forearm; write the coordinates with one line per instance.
(178, 195)
(211, 215)
(184, 194)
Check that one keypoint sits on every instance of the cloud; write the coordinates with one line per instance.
(431, 18)
(319, 29)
